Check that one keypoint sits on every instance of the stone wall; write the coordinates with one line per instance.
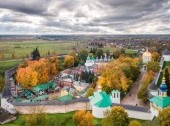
(139, 115)
(54, 108)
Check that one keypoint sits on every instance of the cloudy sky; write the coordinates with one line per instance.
(84, 16)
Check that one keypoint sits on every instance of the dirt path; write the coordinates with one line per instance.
(131, 96)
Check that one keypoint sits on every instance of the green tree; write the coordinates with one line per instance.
(117, 52)
(35, 54)
(135, 123)
(89, 92)
(99, 53)
(164, 117)
(116, 117)
(82, 56)
(154, 66)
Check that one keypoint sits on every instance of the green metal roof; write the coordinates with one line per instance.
(65, 98)
(101, 99)
(42, 97)
(161, 101)
(26, 93)
(92, 58)
(44, 86)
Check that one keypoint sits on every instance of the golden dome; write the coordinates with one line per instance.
(146, 54)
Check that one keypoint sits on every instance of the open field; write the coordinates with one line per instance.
(22, 49)
(65, 119)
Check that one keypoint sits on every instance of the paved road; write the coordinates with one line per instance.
(131, 96)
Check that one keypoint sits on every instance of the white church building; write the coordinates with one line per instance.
(101, 102)
(161, 101)
(146, 57)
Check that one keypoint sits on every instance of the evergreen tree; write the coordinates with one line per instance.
(35, 55)
(82, 77)
(99, 53)
(167, 80)
(86, 76)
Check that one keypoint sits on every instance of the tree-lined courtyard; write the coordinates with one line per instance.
(119, 74)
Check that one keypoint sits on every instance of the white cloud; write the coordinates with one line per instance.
(85, 17)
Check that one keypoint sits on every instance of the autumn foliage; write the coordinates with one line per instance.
(119, 74)
(83, 118)
(164, 117)
(68, 61)
(146, 80)
(116, 116)
(37, 72)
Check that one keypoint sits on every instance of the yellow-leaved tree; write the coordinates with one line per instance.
(68, 61)
(26, 77)
(119, 74)
(83, 118)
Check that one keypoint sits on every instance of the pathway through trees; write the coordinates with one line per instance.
(131, 96)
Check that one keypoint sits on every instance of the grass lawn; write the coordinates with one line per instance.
(65, 119)
(165, 64)
(147, 122)
(4, 65)
(131, 51)
(160, 79)
(53, 120)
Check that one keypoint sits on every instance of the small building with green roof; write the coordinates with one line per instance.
(90, 61)
(100, 102)
(161, 101)
(42, 88)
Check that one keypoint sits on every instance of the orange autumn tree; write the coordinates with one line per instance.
(41, 68)
(27, 77)
(45, 68)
